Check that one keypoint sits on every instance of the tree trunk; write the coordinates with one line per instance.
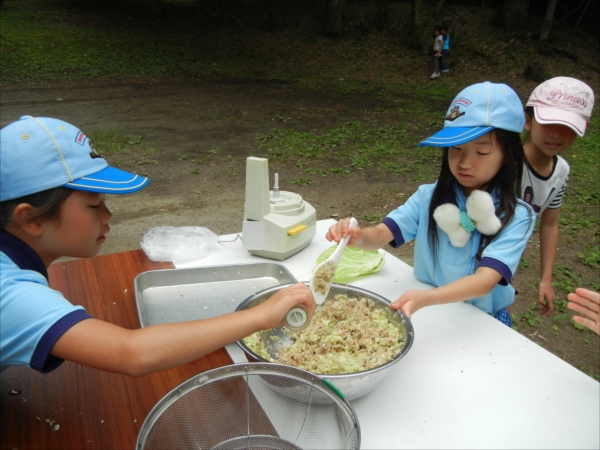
(330, 13)
(415, 13)
(271, 14)
(156, 8)
(438, 8)
(514, 14)
(413, 35)
(382, 16)
(548, 19)
(216, 9)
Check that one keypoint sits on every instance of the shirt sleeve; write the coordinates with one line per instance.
(503, 254)
(557, 200)
(33, 316)
(403, 222)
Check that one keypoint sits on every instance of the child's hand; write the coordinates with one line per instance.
(275, 308)
(587, 303)
(409, 302)
(545, 298)
(341, 229)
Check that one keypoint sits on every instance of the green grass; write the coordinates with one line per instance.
(110, 141)
(352, 147)
(580, 214)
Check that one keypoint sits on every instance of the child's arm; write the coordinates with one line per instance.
(371, 238)
(587, 303)
(466, 288)
(105, 346)
(548, 244)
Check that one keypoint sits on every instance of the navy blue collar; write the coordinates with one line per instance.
(21, 253)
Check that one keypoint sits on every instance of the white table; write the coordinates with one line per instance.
(468, 381)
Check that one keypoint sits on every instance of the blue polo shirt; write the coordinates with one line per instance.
(32, 316)
(410, 222)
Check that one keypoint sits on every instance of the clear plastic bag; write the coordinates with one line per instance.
(177, 243)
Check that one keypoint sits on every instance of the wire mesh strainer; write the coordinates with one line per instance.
(252, 406)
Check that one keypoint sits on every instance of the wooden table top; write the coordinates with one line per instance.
(76, 407)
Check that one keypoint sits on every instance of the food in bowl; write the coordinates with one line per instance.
(345, 335)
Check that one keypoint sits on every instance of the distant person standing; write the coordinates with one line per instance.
(445, 48)
(438, 42)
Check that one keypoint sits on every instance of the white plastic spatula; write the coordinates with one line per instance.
(322, 277)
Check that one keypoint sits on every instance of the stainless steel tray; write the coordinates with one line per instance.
(180, 295)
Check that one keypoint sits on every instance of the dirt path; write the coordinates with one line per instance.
(187, 120)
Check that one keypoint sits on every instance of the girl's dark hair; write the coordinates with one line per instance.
(47, 203)
(507, 182)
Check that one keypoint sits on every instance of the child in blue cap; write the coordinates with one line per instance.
(469, 228)
(52, 204)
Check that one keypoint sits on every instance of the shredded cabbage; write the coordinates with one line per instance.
(354, 263)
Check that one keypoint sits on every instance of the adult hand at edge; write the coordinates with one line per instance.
(587, 303)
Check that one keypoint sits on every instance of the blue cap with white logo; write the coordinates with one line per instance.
(477, 110)
(40, 153)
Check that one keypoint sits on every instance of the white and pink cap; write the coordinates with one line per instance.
(563, 100)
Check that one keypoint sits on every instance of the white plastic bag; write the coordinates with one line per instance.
(177, 243)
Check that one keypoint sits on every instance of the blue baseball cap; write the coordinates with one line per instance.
(477, 110)
(40, 153)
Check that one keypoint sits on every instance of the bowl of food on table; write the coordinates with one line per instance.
(353, 340)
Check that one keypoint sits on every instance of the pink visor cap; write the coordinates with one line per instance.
(565, 101)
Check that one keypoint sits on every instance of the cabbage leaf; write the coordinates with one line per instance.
(354, 263)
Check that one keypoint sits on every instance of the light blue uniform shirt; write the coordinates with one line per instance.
(32, 315)
(410, 221)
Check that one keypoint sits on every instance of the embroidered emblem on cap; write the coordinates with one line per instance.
(454, 114)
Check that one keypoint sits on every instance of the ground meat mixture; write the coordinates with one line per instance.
(344, 336)
(323, 277)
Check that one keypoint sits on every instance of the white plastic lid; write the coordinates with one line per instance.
(296, 319)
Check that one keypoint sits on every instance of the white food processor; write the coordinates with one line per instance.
(277, 224)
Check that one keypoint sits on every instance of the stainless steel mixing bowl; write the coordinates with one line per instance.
(353, 385)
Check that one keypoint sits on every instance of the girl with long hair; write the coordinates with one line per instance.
(469, 228)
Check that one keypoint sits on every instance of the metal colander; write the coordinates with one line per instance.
(252, 406)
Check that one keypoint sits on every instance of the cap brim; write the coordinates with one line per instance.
(109, 181)
(450, 136)
(569, 119)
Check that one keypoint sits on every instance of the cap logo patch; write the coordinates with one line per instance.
(462, 101)
(80, 138)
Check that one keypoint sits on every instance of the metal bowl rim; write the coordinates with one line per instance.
(410, 334)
